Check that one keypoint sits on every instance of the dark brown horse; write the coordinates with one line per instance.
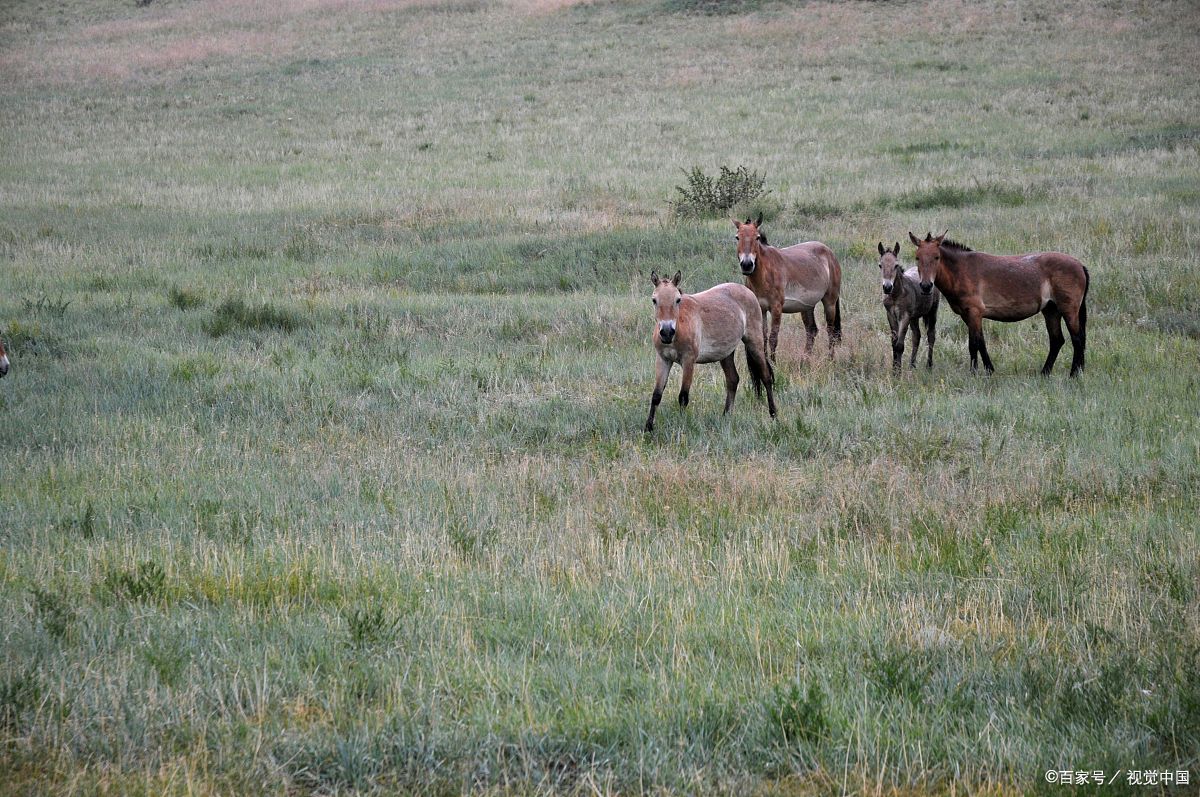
(1008, 288)
(791, 280)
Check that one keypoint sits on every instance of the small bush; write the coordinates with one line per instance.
(235, 314)
(705, 196)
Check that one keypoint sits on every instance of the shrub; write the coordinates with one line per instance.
(707, 196)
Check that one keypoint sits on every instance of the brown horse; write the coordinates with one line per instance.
(791, 280)
(3, 359)
(705, 328)
(1008, 288)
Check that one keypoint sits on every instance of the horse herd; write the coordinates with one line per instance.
(706, 327)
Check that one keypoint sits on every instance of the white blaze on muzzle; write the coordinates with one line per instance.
(666, 329)
(747, 261)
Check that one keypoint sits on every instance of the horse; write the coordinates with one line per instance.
(791, 280)
(3, 360)
(705, 327)
(1008, 288)
(906, 304)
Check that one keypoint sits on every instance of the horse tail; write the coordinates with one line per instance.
(1087, 283)
(760, 369)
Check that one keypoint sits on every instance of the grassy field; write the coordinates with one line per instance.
(321, 464)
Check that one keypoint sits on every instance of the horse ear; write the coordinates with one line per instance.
(759, 222)
(928, 237)
(677, 278)
(881, 249)
(913, 238)
(654, 278)
(943, 235)
(897, 252)
(737, 224)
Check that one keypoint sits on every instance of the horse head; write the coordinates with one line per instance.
(666, 298)
(750, 241)
(929, 258)
(890, 269)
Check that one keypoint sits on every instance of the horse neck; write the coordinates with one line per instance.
(768, 262)
(903, 290)
(952, 264)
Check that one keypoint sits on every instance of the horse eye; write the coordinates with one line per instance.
(678, 300)
(654, 301)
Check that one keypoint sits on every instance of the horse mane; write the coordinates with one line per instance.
(949, 244)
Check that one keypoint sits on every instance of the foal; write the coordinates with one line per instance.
(705, 328)
(906, 304)
(791, 280)
(1008, 288)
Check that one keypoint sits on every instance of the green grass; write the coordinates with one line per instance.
(322, 462)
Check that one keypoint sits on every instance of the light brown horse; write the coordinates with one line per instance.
(3, 359)
(705, 328)
(1008, 288)
(791, 280)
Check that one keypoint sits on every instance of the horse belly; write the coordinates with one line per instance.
(798, 298)
(714, 351)
(1001, 308)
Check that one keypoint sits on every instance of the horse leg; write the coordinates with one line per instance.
(975, 342)
(1077, 326)
(662, 369)
(767, 336)
(833, 323)
(689, 366)
(1054, 330)
(731, 381)
(810, 330)
(776, 320)
(930, 333)
(916, 342)
(899, 332)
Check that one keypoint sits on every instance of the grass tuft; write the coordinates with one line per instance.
(236, 314)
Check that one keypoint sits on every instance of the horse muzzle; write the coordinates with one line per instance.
(887, 287)
(926, 288)
(666, 333)
(3, 365)
(748, 265)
